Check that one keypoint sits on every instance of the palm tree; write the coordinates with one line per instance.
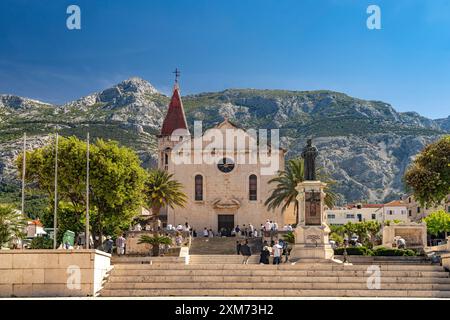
(12, 224)
(284, 194)
(155, 242)
(161, 191)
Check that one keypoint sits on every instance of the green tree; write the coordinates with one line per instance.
(367, 231)
(438, 222)
(116, 183)
(12, 225)
(285, 193)
(162, 190)
(428, 177)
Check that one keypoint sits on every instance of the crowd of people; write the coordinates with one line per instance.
(250, 231)
(277, 250)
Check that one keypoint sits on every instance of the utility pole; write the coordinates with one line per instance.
(87, 195)
(24, 163)
(55, 225)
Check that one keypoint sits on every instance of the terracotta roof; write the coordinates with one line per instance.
(364, 205)
(36, 222)
(372, 205)
(175, 118)
(395, 203)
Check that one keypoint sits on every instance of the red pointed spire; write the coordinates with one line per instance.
(175, 118)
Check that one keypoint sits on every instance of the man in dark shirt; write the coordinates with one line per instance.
(238, 247)
(246, 252)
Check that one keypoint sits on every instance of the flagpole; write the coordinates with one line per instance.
(24, 163)
(87, 195)
(55, 233)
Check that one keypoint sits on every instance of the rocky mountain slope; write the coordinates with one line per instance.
(364, 145)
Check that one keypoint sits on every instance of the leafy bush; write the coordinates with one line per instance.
(354, 251)
(289, 237)
(41, 243)
(382, 251)
(336, 238)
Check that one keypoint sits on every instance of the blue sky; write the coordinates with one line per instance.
(275, 44)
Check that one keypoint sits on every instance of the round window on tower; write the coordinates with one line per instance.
(226, 165)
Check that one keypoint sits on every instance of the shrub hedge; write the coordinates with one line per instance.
(354, 251)
(380, 251)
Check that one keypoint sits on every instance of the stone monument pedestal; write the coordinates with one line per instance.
(311, 233)
(311, 242)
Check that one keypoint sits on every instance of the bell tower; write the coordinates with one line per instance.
(174, 128)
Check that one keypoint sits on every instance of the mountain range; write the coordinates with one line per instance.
(364, 145)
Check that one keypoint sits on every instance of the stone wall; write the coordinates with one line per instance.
(415, 234)
(52, 273)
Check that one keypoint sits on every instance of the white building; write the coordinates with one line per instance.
(395, 210)
(35, 228)
(355, 213)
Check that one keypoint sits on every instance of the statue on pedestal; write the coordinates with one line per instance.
(309, 155)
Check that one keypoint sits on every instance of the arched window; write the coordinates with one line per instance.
(198, 188)
(166, 158)
(166, 161)
(252, 187)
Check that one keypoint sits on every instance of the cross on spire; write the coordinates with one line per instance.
(177, 75)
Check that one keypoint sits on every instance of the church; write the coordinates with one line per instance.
(225, 186)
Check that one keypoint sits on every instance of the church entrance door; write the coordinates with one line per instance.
(225, 224)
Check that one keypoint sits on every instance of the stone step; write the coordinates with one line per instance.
(221, 259)
(282, 279)
(146, 260)
(276, 278)
(298, 266)
(274, 293)
(240, 272)
(224, 245)
(277, 285)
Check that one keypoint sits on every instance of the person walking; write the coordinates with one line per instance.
(158, 224)
(286, 251)
(276, 251)
(108, 245)
(120, 245)
(265, 254)
(345, 251)
(267, 226)
(246, 252)
(205, 233)
(238, 247)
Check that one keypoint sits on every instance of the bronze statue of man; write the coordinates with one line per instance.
(309, 155)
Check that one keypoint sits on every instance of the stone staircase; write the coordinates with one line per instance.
(221, 245)
(221, 259)
(214, 276)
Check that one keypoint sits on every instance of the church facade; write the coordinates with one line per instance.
(225, 186)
